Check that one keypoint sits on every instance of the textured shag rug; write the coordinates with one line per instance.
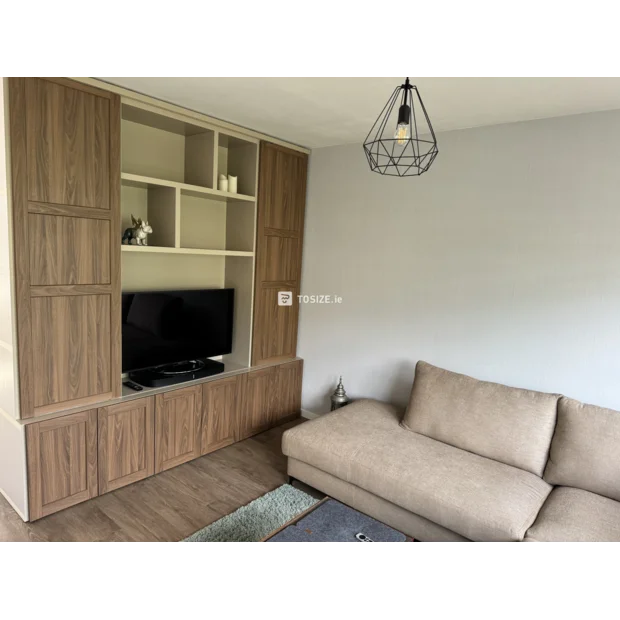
(259, 518)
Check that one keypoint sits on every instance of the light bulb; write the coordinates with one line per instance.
(402, 133)
(403, 128)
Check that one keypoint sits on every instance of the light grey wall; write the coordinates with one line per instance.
(503, 262)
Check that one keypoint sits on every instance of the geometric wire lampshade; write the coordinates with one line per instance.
(402, 142)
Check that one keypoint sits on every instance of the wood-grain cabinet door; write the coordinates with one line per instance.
(177, 427)
(257, 400)
(62, 462)
(219, 413)
(65, 164)
(126, 443)
(288, 392)
(281, 206)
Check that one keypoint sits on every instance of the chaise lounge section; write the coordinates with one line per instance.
(469, 460)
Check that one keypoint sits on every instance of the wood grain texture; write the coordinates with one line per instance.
(219, 414)
(257, 389)
(71, 337)
(65, 160)
(62, 462)
(281, 207)
(126, 443)
(19, 189)
(67, 144)
(280, 258)
(177, 427)
(115, 245)
(68, 250)
(288, 392)
(166, 507)
(68, 211)
(275, 331)
(282, 187)
(71, 289)
(87, 88)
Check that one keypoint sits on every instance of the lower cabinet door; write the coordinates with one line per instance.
(219, 413)
(257, 401)
(288, 391)
(177, 427)
(62, 462)
(126, 443)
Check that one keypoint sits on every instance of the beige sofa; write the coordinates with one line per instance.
(469, 460)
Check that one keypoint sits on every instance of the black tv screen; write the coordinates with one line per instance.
(164, 327)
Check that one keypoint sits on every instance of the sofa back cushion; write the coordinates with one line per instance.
(585, 451)
(509, 425)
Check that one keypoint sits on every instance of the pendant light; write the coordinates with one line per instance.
(402, 144)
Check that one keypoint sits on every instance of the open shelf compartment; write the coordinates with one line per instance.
(239, 158)
(166, 148)
(209, 224)
(155, 204)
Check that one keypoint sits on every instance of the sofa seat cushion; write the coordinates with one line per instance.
(585, 449)
(363, 444)
(507, 424)
(574, 515)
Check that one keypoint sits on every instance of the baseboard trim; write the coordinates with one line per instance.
(310, 415)
(13, 506)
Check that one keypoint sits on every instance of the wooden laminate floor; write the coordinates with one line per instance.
(168, 506)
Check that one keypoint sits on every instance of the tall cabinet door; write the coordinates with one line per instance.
(65, 161)
(219, 413)
(177, 427)
(281, 206)
(62, 462)
(126, 443)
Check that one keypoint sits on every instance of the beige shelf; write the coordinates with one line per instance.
(136, 180)
(145, 249)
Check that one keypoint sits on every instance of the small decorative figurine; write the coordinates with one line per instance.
(137, 234)
(339, 397)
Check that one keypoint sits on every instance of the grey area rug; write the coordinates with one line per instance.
(259, 518)
(335, 522)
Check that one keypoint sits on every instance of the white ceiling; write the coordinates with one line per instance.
(316, 112)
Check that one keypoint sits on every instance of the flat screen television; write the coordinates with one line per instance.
(167, 327)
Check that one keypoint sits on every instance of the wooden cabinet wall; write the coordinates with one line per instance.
(281, 207)
(62, 462)
(178, 417)
(78, 456)
(126, 443)
(65, 161)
